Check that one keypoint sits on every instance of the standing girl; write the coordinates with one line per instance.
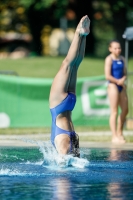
(115, 73)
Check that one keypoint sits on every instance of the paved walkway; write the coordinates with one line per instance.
(30, 140)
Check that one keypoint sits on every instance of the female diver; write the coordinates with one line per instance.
(62, 97)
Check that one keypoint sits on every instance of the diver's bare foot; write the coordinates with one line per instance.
(115, 140)
(83, 26)
(122, 139)
(118, 139)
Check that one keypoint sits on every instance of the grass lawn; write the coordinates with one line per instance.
(47, 67)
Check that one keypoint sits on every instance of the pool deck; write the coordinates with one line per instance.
(30, 140)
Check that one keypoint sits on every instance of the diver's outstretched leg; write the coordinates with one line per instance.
(65, 80)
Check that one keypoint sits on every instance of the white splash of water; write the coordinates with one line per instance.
(4, 171)
(52, 158)
(9, 172)
(79, 162)
(15, 172)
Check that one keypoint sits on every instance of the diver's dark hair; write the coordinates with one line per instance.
(111, 41)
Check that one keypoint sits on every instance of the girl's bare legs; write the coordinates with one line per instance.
(121, 118)
(65, 81)
(113, 94)
(117, 99)
(61, 81)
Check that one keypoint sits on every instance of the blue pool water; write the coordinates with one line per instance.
(28, 173)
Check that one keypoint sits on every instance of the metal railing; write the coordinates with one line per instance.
(130, 94)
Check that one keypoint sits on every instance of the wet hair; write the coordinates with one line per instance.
(113, 41)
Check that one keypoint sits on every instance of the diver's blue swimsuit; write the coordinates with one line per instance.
(117, 71)
(66, 105)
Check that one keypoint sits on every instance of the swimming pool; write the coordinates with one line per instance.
(28, 173)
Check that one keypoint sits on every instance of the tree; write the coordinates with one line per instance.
(115, 13)
(14, 29)
(40, 13)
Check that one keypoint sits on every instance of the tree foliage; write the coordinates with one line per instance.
(39, 4)
(113, 16)
(13, 17)
(58, 5)
(108, 18)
